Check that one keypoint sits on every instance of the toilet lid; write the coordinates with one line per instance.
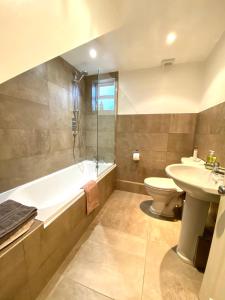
(162, 183)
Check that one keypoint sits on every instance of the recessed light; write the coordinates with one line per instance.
(92, 53)
(171, 38)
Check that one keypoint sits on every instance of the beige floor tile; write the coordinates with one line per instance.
(164, 231)
(167, 276)
(122, 213)
(67, 289)
(117, 239)
(125, 255)
(107, 270)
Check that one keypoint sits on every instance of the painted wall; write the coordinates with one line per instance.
(175, 89)
(182, 88)
(35, 123)
(33, 32)
(214, 78)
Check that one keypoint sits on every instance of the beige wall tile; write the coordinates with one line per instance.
(35, 123)
(151, 123)
(13, 274)
(31, 85)
(61, 139)
(22, 294)
(91, 122)
(210, 132)
(60, 73)
(181, 142)
(175, 157)
(183, 123)
(17, 113)
(33, 251)
(17, 143)
(158, 146)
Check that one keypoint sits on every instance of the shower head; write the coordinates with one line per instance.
(79, 75)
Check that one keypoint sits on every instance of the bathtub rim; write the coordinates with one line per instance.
(47, 222)
(64, 207)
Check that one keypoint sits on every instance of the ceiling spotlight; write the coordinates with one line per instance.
(171, 38)
(92, 53)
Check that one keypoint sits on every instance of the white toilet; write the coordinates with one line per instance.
(167, 196)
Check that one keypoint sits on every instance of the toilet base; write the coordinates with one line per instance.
(145, 206)
(160, 212)
(168, 210)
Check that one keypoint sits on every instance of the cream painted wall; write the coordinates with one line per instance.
(214, 85)
(176, 89)
(33, 32)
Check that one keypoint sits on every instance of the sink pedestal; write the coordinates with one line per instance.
(193, 223)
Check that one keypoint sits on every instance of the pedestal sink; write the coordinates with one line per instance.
(201, 188)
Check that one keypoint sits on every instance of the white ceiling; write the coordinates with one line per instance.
(140, 43)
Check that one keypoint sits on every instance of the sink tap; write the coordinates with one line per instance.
(218, 173)
(217, 169)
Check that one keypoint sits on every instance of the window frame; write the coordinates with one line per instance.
(96, 97)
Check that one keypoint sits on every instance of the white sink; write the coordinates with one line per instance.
(197, 181)
(201, 187)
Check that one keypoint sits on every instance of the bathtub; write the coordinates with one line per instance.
(54, 193)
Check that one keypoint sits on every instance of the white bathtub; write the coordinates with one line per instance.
(54, 193)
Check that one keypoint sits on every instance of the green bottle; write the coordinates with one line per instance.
(210, 160)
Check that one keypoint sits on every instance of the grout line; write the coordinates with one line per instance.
(147, 242)
(91, 289)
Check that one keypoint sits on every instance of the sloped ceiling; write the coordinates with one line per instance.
(140, 43)
(32, 32)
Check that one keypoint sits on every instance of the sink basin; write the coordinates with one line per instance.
(201, 187)
(199, 182)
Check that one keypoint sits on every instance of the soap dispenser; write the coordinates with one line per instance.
(210, 160)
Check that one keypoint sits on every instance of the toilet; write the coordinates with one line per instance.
(167, 196)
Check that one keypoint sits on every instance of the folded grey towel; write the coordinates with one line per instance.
(12, 216)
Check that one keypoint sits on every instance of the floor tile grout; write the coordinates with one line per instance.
(146, 247)
(91, 289)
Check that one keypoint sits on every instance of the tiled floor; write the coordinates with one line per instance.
(125, 255)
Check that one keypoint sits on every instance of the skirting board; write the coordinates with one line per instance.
(130, 186)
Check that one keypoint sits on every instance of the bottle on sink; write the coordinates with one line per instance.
(210, 160)
(195, 154)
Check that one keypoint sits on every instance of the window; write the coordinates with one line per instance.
(104, 93)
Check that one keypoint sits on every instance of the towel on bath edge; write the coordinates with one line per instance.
(13, 216)
(18, 232)
(92, 195)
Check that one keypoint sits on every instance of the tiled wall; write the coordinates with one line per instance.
(162, 139)
(210, 132)
(35, 123)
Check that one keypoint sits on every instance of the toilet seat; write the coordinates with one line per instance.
(162, 184)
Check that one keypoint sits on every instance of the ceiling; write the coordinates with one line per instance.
(140, 42)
